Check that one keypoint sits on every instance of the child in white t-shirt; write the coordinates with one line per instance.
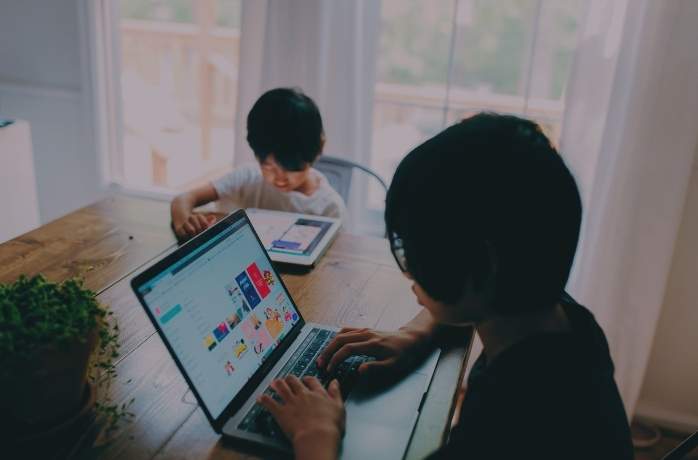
(284, 129)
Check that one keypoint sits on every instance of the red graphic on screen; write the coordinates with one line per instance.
(259, 282)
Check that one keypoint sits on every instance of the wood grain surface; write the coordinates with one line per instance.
(355, 284)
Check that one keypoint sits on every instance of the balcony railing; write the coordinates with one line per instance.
(188, 76)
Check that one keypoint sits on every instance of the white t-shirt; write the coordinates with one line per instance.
(245, 187)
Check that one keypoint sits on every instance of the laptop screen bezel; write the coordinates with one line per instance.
(166, 263)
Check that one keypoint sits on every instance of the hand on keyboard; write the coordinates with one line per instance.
(303, 363)
(392, 350)
(308, 414)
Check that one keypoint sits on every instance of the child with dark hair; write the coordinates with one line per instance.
(284, 130)
(484, 220)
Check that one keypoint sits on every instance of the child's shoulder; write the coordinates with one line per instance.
(246, 170)
(244, 175)
(328, 198)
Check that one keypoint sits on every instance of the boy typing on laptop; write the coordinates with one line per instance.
(284, 129)
(484, 219)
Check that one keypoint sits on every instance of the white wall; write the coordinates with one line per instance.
(44, 79)
(669, 395)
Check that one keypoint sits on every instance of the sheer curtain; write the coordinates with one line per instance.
(629, 134)
(326, 48)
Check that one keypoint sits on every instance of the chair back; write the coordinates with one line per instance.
(339, 174)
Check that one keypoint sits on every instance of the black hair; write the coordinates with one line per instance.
(489, 195)
(286, 123)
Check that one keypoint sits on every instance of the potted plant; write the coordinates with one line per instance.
(57, 347)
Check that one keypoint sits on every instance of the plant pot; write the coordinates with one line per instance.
(48, 387)
(54, 441)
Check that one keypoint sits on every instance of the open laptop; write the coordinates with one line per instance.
(231, 327)
(293, 238)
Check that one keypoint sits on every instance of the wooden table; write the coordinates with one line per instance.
(355, 284)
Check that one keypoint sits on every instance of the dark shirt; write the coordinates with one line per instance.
(549, 396)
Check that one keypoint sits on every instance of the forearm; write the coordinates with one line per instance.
(183, 204)
(430, 333)
(181, 207)
(421, 326)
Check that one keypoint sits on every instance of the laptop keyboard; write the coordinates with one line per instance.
(302, 363)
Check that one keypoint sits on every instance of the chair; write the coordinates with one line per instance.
(339, 174)
(684, 448)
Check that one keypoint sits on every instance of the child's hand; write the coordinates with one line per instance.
(193, 225)
(310, 416)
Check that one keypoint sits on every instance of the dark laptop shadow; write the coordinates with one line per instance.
(253, 449)
(291, 269)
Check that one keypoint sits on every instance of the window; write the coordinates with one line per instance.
(441, 61)
(179, 71)
(438, 62)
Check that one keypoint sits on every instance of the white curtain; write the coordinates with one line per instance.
(630, 134)
(328, 49)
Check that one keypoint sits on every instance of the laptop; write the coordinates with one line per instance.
(294, 238)
(232, 327)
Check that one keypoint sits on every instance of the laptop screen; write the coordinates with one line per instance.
(223, 311)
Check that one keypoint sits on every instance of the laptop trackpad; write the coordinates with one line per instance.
(379, 424)
(394, 406)
(368, 440)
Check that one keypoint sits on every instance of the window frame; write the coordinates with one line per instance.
(104, 57)
(105, 68)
